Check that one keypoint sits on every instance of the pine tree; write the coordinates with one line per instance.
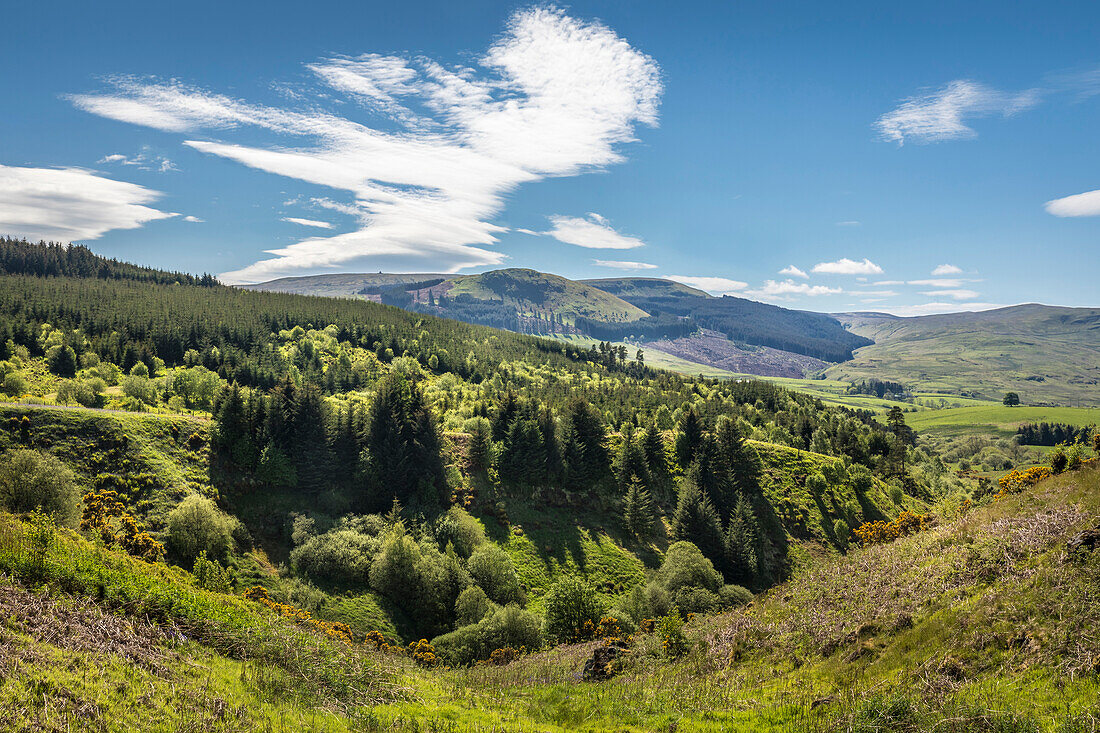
(689, 437)
(638, 513)
(656, 456)
(742, 536)
(506, 412)
(403, 453)
(695, 520)
(586, 462)
(630, 462)
(479, 448)
(739, 459)
(232, 439)
(309, 441)
(523, 458)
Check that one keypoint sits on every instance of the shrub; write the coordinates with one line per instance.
(493, 570)
(461, 530)
(732, 596)
(340, 556)
(685, 566)
(670, 630)
(196, 525)
(211, 576)
(692, 599)
(906, 523)
(31, 480)
(140, 389)
(570, 604)
(14, 384)
(471, 606)
(510, 626)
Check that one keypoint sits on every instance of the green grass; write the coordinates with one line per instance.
(984, 354)
(958, 628)
(997, 419)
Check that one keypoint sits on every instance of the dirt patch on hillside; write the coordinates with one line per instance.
(714, 349)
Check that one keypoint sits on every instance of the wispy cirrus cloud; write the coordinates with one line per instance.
(553, 96)
(845, 266)
(71, 204)
(624, 265)
(592, 231)
(943, 282)
(943, 114)
(713, 285)
(793, 271)
(145, 160)
(308, 222)
(1081, 204)
(954, 293)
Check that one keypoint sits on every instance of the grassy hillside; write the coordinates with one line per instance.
(538, 292)
(342, 285)
(961, 627)
(644, 287)
(1046, 354)
(998, 418)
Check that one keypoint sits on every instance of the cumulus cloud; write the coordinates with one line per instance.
(1081, 204)
(592, 231)
(946, 270)
(624, 265)
(942, 115)
(71, 204)
(845, 266)
(789, 289)
(553, 96)
(794, 272)
(193, 219)
(308, 222)
(716, 285)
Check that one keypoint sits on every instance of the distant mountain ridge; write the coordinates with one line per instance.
(1047, 354)
(613, 309)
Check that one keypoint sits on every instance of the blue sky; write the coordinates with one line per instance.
(820, 156)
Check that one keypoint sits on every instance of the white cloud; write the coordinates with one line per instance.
(624, 265)
(942, 115)
(944, 282)
(927, 309)
(716, 285)
(888, 282)
(849, 223)
(877, 293)
(845, 266)
(1081, 204)
(794, 272)
(194, 219)
(71, 204)
(145, 161)
(788, 289)
(308, 222)
(957, 294)
(592, 231)
(553, 96)
(946, 270)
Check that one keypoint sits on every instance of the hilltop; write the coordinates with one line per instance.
(1047, 354)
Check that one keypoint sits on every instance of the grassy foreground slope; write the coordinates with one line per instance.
(983, 623)
(1047, 354)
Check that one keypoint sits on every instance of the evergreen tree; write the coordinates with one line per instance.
(630, 462)
(548, 427)
(638, 513)
(739, 459)
(523, 456)
(232, 440)
(403, 454)
(689, 437)
(656, 456)
(742, 537)
(695, 520)
(586, 462)
(506, 412)
(479, 449)
(309, 444)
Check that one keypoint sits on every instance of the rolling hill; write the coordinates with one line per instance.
(1045, 353)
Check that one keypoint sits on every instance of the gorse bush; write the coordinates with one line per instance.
(571, 604)
(32, 480)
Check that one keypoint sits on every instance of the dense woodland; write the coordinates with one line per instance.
(750, 322)
(364, 447)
